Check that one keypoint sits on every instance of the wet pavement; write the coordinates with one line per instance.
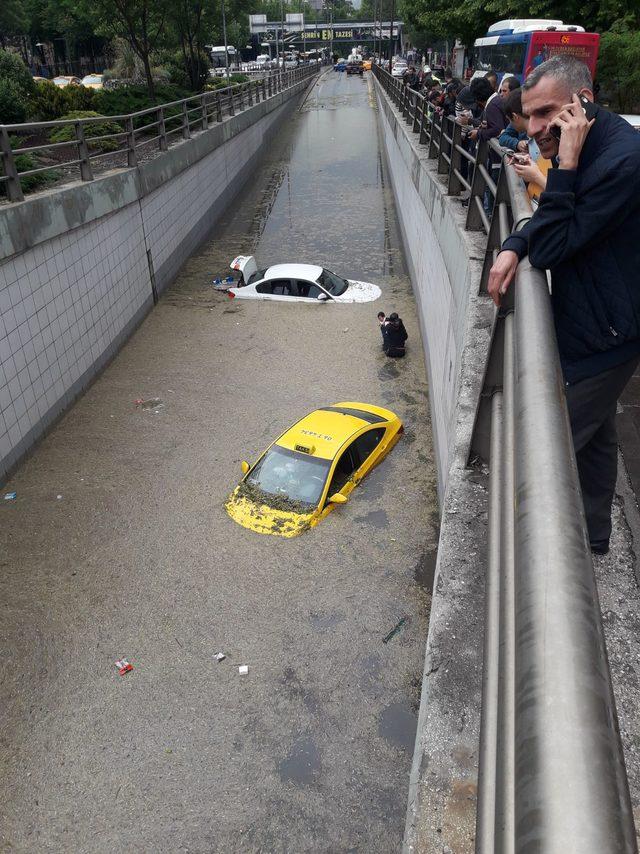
(118, 544)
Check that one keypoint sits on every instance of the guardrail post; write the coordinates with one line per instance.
(14, 188)
(186, 130)
(416, 113)
(478, 186)
(264, 89)
(454, 187)
(218, 107)
(83, 153)
(204, 110)
(424, 120)
(250, 94)
(132, 159)
(443, 166)
(436, 122)
(232, 109)
(162, 130)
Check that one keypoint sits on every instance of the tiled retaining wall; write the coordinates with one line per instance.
(75, 264)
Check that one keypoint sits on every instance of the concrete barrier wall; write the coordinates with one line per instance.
(79, 264)
(445, 263)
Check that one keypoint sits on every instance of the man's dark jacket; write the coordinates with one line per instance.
(587, 232)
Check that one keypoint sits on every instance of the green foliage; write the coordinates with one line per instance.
(51, 102)
(16, 88)
(13, 18)
(619, 66)
(23, 163)
(221, 82)
(131, 99)
(67, 132)
(13, 104)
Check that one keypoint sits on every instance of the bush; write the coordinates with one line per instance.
(619, 65)
(51, 102)
(24, 162)
(67, 132)
(16, 89)
(13, 106)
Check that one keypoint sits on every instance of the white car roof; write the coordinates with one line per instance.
(294, 271)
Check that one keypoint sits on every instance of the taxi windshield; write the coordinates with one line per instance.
(297, 476)
(332, 283)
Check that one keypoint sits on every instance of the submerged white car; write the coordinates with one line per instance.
(299, 282)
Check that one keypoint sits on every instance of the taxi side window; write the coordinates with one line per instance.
(346, 466)
(367, 443)
(281, 287)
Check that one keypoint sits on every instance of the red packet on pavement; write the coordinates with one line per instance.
(123, 666)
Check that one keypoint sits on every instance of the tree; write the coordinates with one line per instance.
(13, 19)
(619, 65)
(187, 19)
(141, 22)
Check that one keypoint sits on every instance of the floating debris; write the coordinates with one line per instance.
(153, 403)
(243, 670)
(220, 656)
(10, 496)
(123, 666)
(394, 631)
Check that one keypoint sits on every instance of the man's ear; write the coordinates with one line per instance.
(588, 94)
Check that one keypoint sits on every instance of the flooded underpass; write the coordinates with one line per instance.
(118, 545)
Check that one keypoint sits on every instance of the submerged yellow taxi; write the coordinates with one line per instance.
(312, 467)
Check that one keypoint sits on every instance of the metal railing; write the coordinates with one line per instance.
(158, 125)
(552, 776)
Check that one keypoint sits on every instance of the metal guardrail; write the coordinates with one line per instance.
(159, 124)
(552, 776)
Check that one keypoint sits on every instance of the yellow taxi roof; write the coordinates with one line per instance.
(323, 432)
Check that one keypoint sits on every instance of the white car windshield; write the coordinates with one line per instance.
(297, 476)
(92, 78)
(332, 283)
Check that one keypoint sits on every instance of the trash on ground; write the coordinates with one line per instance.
(58, 497)
(220, 656)
(153, 403)
(346, 329)
(123, 666)
(243, 669)
(395, 630)
(10, 496)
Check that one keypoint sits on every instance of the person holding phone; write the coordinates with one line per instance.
(586, 231)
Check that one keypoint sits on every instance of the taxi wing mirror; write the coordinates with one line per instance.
(244, 465)
(338, 498)
(323, 297)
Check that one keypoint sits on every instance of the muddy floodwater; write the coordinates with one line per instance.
(118, 545)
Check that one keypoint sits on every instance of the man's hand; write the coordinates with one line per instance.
(574, 129)
(472, 134)
(501, 274)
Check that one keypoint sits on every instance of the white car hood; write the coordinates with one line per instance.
(359, 292)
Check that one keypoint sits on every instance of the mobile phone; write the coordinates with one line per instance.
(515, 157)
(590, 111)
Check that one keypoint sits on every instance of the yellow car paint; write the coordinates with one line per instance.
(324, 434)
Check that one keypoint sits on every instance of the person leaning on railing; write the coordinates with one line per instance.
(586, 231)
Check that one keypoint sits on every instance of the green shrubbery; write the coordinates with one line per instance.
(221, 82)
(24, 162)
(50, 101)
(67, 132)
(16, 89)
(618, 69)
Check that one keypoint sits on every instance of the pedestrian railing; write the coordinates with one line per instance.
(551, 767)
(157, 126)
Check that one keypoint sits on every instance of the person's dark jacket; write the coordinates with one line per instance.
(586, 230)
(495, 118)
(394, 335)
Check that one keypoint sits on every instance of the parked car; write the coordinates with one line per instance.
(399, 68)
(313, 467)
(356, 66)
(93, 81)
(66, 80)
(297, 283)
(366, 64)
(634, 121)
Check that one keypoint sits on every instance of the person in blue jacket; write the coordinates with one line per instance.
(586, 231)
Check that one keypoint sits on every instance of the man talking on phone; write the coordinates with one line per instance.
(586, 231)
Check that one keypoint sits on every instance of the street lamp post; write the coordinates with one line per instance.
(282, 37)
(226, 50)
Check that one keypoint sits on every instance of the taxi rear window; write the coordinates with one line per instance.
(369, 417)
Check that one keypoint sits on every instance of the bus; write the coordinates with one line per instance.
(218, 65)
(517, 46)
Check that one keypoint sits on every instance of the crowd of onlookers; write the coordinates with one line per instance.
(486, 109)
